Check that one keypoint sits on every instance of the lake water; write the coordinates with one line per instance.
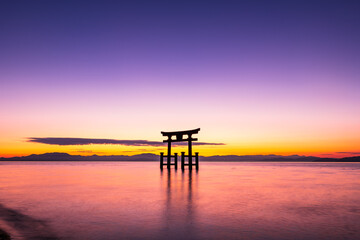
(124, 200)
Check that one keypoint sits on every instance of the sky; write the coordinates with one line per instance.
(258, 77)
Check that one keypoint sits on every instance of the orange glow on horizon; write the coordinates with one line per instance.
(21, 148)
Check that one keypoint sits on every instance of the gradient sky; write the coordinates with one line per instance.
(263, 77)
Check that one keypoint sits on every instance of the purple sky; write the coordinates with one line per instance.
(294, 60)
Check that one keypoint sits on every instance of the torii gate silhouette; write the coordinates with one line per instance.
(180, 138)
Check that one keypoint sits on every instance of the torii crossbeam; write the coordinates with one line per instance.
(180, 136)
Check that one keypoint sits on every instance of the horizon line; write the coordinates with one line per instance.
(228, 155)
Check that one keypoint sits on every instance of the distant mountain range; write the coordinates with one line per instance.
(153, 157)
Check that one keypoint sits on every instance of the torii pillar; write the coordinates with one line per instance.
(180, 138)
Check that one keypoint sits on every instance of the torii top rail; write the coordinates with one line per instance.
(180, 136)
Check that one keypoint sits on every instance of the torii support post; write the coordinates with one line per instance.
(182, 161)
(190, 152)
(169, 154)
(161, 160)
(197, 160)
(180, 138)
(175, 160)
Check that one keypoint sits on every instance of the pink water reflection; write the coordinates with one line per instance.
(222, 201)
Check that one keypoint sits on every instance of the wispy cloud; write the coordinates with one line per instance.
(89, 141)
(87, 151)
(352, 153)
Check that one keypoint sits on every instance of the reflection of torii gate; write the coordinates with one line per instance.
(180, 138)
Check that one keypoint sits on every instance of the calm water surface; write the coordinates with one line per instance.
(122, 200)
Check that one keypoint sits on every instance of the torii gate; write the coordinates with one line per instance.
(180, 138)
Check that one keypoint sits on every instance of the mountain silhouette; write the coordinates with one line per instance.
(58, 156)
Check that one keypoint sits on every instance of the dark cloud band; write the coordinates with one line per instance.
(88, 141)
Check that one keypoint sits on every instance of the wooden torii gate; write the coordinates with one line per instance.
(180, 138)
